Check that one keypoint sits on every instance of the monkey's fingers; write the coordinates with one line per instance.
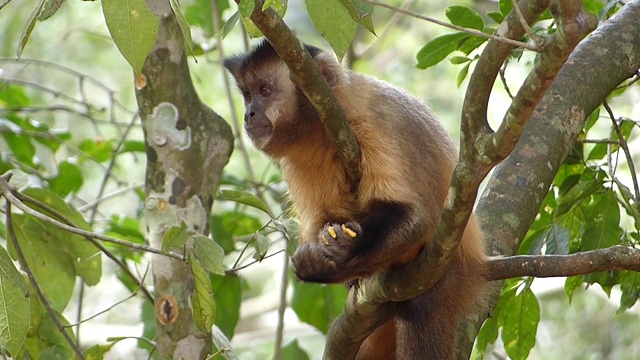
(348, 231)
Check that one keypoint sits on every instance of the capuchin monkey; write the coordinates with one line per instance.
(407, 160)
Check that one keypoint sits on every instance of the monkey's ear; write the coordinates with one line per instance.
(330, 69)
(233, 64)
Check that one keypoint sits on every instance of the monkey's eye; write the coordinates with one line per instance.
(265, 91)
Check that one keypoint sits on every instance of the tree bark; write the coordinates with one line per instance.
(188, 145)
(520, 183)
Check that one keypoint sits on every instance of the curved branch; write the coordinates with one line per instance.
(307, 77)
(474, 110)
(573, 24)
(520, 183)
(613, 258)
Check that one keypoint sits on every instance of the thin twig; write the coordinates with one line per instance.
(627, 153)
(112, 162)
(390, 25)
(235, 120)
(235, 269)
(455, 27)
(109, 254)
(5, 4)
(133, 294)
(538, 40)
(116, 193)
(5, 189)
(504, 80)
(284, 284)
(598, 141)
(43, 299)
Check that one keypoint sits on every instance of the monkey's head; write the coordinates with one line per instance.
(277, 114)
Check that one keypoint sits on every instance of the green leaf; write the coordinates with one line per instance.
(333, 22)
(97, 352)
(261, 246)
(317, 305)
(15, 311)
(495, 16)
(148, 319)
(630, 286)
(90, 269)
(69, 179)
(462, 74)
(438, 49)
(50, 8)
(456, 60)
(209, 254)
(228, 294)
(505, 7)
(522, 315)
(591, 120)
(471, 43)
(175, 237)
(230, 23)
(133, 146)
(13, 96)
(602, 228)
(488, 334)
(556, 238)
(360, 12)
(244, 197)
(45, 255)
(465, 17)
(133, 29)
(21, 147)
(293, 351)
(571, 284)
(99, 150)
(590, 182)
(76, 245)
(246, 7)
(29, 25)
(204, 305)
(183, 24)
(232, 223)
(126, 228)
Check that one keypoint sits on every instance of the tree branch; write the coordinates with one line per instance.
(613, 258)
(307, 77)
(573, 24)
(520, 183)
(7, 192)
(463, 29)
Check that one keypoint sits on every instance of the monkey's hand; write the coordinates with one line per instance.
(325, 261)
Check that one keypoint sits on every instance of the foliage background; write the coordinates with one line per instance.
(77, 38)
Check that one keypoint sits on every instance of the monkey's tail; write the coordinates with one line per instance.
(427, 325)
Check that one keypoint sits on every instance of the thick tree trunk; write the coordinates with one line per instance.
(187, 147)
(520, 183)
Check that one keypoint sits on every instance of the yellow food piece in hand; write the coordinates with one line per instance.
(324, 240)
(348, 231)
(332, 232)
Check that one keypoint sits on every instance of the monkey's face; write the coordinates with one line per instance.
(269, 100)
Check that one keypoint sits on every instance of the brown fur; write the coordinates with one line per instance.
(407, 160)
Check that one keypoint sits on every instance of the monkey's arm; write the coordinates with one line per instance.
(390, 233)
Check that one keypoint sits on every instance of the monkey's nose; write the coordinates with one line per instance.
(252, 113)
